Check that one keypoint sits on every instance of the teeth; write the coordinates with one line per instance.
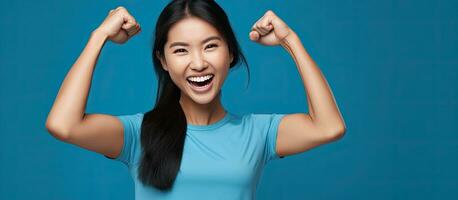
(200, 78)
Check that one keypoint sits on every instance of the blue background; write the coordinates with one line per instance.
(392, 66)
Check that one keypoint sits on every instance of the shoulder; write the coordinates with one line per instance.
(131, 118)
(262, 120)
(131, 122)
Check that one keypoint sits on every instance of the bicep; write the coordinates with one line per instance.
(297, 133)
(100, 133)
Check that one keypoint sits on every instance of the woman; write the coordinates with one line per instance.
(189, 144)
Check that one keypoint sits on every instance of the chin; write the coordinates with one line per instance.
(202, 99)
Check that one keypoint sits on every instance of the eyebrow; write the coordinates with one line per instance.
(203, 41)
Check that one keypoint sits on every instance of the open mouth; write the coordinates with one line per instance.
(201, 83)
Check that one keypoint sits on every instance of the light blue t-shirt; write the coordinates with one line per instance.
(223, 160)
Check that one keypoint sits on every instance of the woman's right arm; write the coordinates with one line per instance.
(67, 120)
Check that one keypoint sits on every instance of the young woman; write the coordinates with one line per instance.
(189, 145)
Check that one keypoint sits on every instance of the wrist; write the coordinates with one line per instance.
(286, 41)
(99, 34)
(98, 38)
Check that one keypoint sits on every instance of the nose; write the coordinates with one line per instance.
(198, 62)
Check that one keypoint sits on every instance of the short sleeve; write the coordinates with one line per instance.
(272, 123)
(131, 126)
(267, 125)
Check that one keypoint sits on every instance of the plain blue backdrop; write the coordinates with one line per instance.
(392, 67)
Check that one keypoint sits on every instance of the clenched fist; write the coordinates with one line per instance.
(270, 30)
(119, 26)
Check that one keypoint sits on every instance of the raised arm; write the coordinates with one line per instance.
(67, 120)
(324, 123)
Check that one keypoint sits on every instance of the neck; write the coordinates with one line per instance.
(202, 114)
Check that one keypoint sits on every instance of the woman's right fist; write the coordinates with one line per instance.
(119, 26)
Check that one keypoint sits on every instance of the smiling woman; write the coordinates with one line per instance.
(194, 49)
(189, 145)
(197, 60)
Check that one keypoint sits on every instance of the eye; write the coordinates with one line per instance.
(215, 45)
(178, 50)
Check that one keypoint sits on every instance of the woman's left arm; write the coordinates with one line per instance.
(324, 123)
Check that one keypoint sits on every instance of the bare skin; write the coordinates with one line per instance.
(300, 132)
(196, 56)
(103, 133)
(67, 120)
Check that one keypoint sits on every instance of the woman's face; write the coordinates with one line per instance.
(197, 59)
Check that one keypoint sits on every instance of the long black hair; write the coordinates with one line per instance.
(164, 128)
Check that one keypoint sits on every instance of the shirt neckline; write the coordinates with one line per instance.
(215, 125)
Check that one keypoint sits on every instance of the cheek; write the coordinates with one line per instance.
(175, 61)
(176, 67)
(219, 59)
(176, 76)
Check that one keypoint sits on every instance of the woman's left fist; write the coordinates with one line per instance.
(269, 30)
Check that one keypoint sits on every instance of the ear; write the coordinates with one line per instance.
(163, 63)
(232, 58)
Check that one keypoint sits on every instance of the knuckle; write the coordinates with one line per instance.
(270, 12)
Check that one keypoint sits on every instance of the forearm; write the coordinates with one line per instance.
(322, 105)
(70, 104)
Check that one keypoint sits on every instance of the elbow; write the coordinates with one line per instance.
(56, 131)
(341, 132)
(337, 133)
